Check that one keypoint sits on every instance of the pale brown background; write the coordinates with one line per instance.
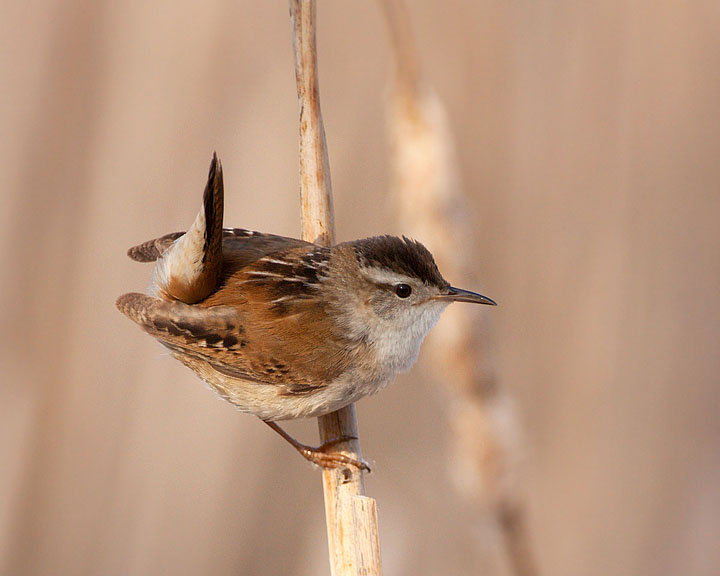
(589, 140)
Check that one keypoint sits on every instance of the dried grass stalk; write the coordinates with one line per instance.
(351, 517)
(431, 205)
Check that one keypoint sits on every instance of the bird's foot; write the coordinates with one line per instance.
(322, 455)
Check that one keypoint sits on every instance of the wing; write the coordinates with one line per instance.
(152, 249)
(184, 326)
(218, 337)
(214, 335)
(281, 298)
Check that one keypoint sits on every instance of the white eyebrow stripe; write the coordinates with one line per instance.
(380, 276)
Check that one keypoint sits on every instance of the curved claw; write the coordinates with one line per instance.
(330, 460)
(318, 455)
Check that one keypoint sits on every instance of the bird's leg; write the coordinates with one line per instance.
(319, 455)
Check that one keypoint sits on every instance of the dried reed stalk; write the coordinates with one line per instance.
(431, 205)
(351, 517)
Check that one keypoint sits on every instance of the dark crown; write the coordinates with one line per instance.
(402, 255)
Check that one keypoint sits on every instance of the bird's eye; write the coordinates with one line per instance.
(403, 290)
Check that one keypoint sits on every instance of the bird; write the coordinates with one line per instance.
(283, 328)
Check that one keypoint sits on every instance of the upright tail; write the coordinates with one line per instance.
(189, 270)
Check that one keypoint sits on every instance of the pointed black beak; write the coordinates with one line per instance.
(459, 295)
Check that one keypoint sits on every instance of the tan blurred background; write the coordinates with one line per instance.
(589, 140)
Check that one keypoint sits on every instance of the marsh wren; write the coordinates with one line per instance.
(283, 328)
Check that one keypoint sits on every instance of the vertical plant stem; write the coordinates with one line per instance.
(318, 216)
(351, 518)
